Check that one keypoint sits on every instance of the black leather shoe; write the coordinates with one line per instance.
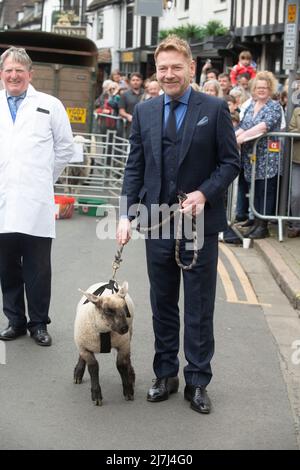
(10, 333)
(248, 223)
(260, 232)
(42, 337)
(293, 232)
(198, 397)
(162, 388)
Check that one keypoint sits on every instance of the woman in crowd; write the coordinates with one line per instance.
(240, 96)
(212, 87)
(102, 106)
(262, 115)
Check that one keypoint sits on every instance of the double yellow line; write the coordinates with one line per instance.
(231, 294)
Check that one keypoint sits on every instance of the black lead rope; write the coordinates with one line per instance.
(181, 198)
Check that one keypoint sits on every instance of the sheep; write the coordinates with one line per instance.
(108, 313)
(72, 178)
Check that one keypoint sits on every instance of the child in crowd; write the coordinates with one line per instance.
(231, 101)
(235, 118)
(243, 66)
(208, 73)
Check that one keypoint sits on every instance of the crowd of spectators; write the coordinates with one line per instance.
(118, 99)
(257, 105)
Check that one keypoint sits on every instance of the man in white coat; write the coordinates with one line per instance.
(36, 143)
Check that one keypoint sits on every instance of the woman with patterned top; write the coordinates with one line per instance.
(262, 115)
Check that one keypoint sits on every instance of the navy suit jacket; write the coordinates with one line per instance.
(208, 159)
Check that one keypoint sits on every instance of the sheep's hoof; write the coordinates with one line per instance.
(77, 380)
(98, 402)
(129, 397)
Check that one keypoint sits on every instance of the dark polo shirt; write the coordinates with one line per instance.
(129, 99)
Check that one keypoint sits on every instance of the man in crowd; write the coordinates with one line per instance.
(130, 98)
(225, 84)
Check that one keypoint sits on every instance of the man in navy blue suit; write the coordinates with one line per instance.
(200, 158)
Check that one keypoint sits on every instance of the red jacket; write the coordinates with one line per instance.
(238, 69)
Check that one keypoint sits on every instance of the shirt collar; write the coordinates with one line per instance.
(21, 97)
(184, 99)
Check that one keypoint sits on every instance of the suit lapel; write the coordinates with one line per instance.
(190, 121)
(156, 129)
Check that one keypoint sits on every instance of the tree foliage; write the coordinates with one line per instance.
(192, 33)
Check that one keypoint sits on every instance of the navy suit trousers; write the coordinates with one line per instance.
(199, 297)
(25, 262)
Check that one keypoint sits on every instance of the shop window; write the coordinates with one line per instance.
(129, 27)
(100, 25)
(154, 31)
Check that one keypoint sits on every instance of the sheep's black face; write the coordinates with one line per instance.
(114, 312)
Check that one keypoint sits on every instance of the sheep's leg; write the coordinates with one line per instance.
(93, 368)
(79, 370)
(127, 374)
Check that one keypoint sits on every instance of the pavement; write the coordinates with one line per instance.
(283, 260)
(267, 258)
(256, 387)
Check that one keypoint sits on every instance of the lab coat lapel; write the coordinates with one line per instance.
(6, 116)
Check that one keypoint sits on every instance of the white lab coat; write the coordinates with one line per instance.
(33, 152)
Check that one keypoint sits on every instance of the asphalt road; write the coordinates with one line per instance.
(41, 408)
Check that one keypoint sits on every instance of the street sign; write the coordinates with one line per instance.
(292, 13)
(148, 7)
(291, 35)
(77, 115)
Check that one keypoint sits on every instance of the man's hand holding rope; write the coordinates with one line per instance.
(124, 231)
(194, 203)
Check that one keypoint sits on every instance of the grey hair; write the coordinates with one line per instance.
(215, 84)
(17, 54)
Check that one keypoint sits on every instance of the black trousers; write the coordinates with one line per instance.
(199, 297)
(25, 262)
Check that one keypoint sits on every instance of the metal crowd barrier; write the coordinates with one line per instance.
(96, 172)
(231, 205)
(120, 122)
(280, 218)
(277, 140)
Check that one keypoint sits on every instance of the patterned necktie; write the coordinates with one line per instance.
(13, 105)
(171, 127)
